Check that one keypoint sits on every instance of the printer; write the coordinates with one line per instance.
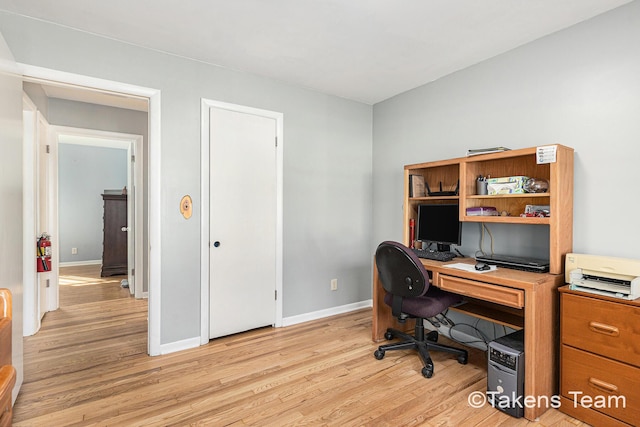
(614, 277)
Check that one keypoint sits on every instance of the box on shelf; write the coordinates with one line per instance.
(482, 211)
(506, 185)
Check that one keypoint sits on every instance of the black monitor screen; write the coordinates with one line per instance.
(439, 224)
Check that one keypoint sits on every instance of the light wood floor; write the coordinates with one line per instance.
(88, 366)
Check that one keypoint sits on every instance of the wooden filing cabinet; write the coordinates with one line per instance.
(599, 358)
(114, 251)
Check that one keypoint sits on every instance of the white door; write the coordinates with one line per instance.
(242, 218)
(131, 219)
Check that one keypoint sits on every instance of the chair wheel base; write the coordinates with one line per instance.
(462, 360)
(427, 371)
(378, 354)
(388, 335)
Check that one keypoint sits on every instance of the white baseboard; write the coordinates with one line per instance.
(320, 314)
(287, 321)
(172, 347)
(77, 263)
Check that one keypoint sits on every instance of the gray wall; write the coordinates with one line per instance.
(327, 167)
(84, 172)
(579, 87)
(99, 117)
(11, 247)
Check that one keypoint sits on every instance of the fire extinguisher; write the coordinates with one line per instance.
(43, 258)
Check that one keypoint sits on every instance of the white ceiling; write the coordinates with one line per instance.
(365, 50)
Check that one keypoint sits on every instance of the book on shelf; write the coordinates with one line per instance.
(416, 186)
(477, 151)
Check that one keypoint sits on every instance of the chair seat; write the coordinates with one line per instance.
(433, 302)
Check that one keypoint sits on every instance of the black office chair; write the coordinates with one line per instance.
(409, 295)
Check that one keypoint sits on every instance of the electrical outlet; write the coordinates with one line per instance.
(74, 251)
(334, 284)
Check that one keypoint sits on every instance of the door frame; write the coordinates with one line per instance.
(133, 145)
(205, 106)
(30, 283)
(154, 177)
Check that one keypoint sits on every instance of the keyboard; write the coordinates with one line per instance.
(434, 255)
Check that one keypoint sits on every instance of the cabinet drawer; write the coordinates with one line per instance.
(602, 327)
(613, 388)
(485, 291)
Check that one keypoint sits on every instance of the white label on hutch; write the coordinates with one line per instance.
(546, 154)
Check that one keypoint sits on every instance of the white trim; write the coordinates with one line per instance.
(187, 344)
(328, 312)
(154, 169)
(51, 183)
(79, 263)
(62, 78)
(95, 138)
(206, 104)
(31, 312)
(204, 221)
(155, 230)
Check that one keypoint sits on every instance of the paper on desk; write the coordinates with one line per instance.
(469, 267)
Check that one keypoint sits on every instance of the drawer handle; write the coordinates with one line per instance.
(604, 386)
(601, 328)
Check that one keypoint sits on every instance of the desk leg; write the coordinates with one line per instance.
(541, 347)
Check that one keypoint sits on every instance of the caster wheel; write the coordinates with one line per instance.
(427, 371)
(433, 337)
(388, 335)
(462, 360)
(378, 354)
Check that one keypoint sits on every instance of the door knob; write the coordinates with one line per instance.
(216, 244)
(125, 229)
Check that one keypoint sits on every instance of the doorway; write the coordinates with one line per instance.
(151, 259)
(92, 163)
(242, 219)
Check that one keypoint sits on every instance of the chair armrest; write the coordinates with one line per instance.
(7, 381)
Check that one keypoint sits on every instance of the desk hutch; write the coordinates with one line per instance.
(513, 298)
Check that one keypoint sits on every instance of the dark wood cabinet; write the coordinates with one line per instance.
(114, 244)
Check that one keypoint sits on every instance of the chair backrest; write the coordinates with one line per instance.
(400, 270)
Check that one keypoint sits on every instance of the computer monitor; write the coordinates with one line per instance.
(439, 223)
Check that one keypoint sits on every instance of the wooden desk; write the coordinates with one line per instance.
(514, 298)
